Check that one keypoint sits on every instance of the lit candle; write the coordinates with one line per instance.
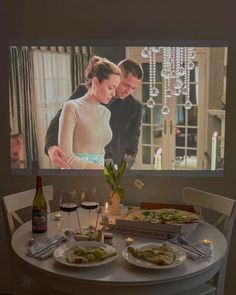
(57, 217)
(206, 242)
(213, 150)
(105, 219)
(31, 242)
(157, 162)
(129, 241)
(106, 210)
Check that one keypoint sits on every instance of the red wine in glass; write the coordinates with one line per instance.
(68, 203)
(68, 207)
(89, 201)
(89, 205)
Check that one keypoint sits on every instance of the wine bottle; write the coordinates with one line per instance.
(39, 209)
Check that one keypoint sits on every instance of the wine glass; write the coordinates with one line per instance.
(89, 201)
(68, 203)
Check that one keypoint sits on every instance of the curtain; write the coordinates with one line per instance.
(41, 80)
(79, 61)
(21, 95)
(52, 80)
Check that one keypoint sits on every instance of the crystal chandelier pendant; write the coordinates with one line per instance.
(188, 105)
(155, 49)
(165, 110)
(176, 92)
(154, 91)
(145, 52)
(166, 74)
(178, 84)
(181, 71)
(175, 73)
(168, 92)
(193, 54)
(151, 103)
(191, 65)
(185, 90)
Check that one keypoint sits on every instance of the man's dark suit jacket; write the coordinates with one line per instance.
(126, 115)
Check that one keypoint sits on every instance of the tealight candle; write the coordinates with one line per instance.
(129, 241)
(57, 217)
(206, 242)
(31, 242)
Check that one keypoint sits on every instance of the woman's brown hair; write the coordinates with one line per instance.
(101, 68)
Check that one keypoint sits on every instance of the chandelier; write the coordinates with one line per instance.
(176, 67)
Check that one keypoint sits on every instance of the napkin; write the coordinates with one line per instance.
(44, 249)
(192, 252)
(204, 248)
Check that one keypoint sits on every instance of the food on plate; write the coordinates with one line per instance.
(80, 254)
(160, 254)
(164, 216)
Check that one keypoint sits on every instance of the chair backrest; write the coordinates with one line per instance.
(222, 205)
(18, 201)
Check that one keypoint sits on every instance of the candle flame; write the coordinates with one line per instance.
(215, 134)
(159, 151)
(57, 216)
(206, 241)
(106, 205)
(129, 241)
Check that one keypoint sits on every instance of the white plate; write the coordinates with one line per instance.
(180, 257)
(60, 254)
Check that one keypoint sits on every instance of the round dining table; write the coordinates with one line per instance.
(118, 276)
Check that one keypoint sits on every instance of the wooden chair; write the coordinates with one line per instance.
(226, 208)
(15, 202)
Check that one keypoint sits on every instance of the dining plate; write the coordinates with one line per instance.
(179, 258)
(60, 254)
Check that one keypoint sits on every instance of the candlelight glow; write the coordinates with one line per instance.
(106, 206)
(206, 242)
(106, 210)
(159, 151)
(129, 241)
(57, 216)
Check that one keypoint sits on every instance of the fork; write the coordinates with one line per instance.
(188, 247)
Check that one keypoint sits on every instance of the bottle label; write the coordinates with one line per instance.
(39, 221)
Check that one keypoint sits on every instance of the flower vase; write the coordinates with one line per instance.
(115, 203)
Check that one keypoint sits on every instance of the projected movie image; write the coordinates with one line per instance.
(74, 107)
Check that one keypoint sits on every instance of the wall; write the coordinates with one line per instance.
(124, 20)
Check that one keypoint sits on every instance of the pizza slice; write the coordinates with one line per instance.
(160, 255)
(79, 254)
